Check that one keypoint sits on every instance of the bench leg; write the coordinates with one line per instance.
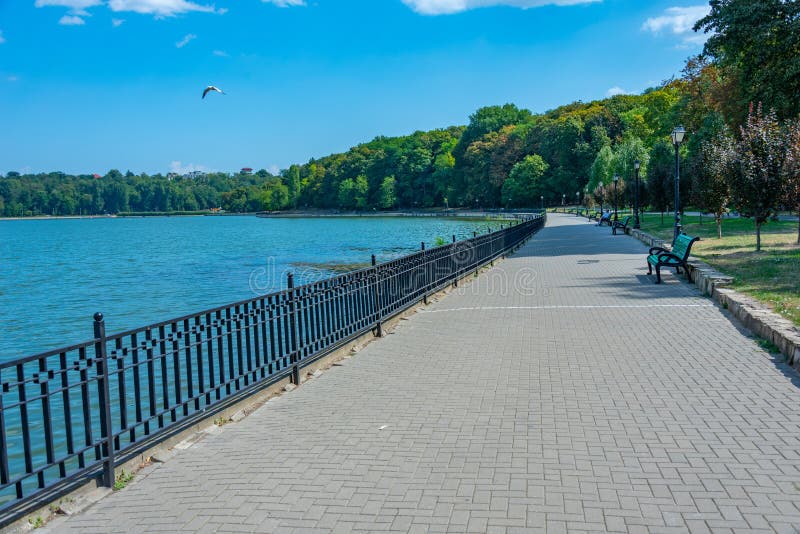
(649, 268)
(658, 274)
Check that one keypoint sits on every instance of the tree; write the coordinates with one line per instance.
(361, 191)
(758, 168)
(615, 195)
(353, 193)
(710, 170)
(347, 194)
(292, 180)
(602, 170)
(761, 40)
(791, 169)
(599, 195)
(386, 197)
(660, 176)
(522, 188)
(628, 152)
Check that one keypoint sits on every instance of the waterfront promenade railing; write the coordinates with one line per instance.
(73, 413)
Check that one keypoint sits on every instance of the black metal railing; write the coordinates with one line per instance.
(73, 413)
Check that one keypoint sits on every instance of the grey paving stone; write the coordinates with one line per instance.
(560, 390)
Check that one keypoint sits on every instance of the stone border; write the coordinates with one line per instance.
(754, 315)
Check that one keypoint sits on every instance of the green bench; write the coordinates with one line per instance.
(620, 225)
(675, 259)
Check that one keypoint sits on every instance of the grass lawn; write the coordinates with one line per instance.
(771, 276)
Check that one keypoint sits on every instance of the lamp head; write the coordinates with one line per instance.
(678, 134)
(616, 178)
(636, 164)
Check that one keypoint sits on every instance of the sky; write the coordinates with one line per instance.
(91, 85)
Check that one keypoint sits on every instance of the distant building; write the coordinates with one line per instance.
(194, 174)
(96, 176)
(247, 170)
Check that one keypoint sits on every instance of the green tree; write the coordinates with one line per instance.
(522, 188)
(387, 198)
(660, 176)
(761, 40)
(602, 170)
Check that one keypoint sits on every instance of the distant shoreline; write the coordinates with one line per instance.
(289, 214)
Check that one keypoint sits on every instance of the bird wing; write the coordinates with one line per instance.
(206, 91)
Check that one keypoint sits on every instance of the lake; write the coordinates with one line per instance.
(55, 274)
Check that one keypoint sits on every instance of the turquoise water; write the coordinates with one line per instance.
(55, 274)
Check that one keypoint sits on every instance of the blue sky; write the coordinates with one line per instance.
(90, 85)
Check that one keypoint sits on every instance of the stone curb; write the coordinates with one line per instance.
(751, 313)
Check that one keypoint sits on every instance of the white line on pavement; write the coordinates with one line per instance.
(608, 306)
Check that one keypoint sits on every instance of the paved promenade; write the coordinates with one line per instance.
(560, 391)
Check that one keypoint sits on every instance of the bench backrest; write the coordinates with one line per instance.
(683, 245)
(627, 220)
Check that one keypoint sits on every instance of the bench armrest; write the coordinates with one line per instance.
(657, 250)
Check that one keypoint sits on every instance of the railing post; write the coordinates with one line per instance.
(424, 275)
(106, 423)
(295, 360)
(377, 298)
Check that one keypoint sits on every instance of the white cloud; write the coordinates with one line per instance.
(186, 40)
(446, 7)
(2, 39)
(179, 168)
(285, 3)
(117, 22)
(12, 78)
(157, 8)
(274, 170)
(77, 10)
(71, 20)
(616, 90)
(74, 5)
(162, 8)
(679, 21)
(220, 53)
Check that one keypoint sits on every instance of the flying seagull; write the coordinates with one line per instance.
(212, 88)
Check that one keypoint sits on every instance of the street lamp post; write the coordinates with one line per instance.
(541, 199)
(616, 179)
(563, 199)
(636, 224)
(678, 134)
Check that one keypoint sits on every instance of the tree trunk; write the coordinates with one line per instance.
(758, 235)
(701, 218)
(719, 226)
(662, 218)
(798, 224)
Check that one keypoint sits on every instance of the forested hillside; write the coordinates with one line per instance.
(504, 156)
